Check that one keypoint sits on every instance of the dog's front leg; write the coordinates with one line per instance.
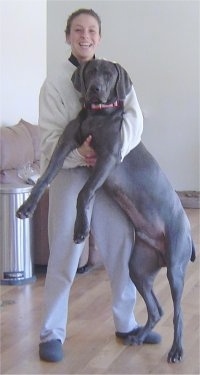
(66, 143)
(99, 175)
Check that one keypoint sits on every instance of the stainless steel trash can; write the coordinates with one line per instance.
(16, 242)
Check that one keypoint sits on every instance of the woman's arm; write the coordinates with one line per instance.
(132, 125)
(53, 118)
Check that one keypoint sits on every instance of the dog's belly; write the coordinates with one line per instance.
(150, 231)
(145, 194)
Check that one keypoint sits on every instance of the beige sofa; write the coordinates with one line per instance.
(19, 144)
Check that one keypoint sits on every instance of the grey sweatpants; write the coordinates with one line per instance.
(113, 235)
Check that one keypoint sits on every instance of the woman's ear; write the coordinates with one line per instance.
(68, 39)
(124, 83)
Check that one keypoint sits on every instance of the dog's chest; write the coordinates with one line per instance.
(101, 123)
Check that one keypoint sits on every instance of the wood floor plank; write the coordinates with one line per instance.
(91, 347)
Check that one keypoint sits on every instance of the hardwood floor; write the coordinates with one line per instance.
(91, 347)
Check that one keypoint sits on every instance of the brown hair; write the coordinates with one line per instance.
(90, 12)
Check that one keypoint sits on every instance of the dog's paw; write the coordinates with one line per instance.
(132, 340)
(79, 238)
(25, 211)
(81, 230)
(175, 355)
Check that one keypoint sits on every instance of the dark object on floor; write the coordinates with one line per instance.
(51, 351)
(82, 269)
(151, 338)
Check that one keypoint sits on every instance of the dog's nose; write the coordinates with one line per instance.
(95, 88)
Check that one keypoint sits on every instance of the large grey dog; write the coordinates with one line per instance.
(162, 230)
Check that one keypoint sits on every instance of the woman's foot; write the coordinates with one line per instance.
(51, 351)
(82, 269)
(151, 338)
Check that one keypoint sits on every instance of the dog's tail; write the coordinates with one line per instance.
(193, 255)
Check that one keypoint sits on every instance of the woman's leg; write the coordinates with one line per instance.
(64, 253)
(114, 236)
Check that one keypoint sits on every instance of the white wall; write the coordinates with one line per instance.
(23, 59)
(157, 42)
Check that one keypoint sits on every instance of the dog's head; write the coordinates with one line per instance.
(101, 81)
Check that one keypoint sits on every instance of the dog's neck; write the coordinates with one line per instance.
(95, 106)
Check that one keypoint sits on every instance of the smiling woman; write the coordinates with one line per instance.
(83, 34)
(59, 104)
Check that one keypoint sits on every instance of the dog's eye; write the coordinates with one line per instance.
(107, 74)
(93, 71)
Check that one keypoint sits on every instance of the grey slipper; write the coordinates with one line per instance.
(151, 338)
(51, 351)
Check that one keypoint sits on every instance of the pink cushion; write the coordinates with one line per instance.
(19, 144)
(34, 131)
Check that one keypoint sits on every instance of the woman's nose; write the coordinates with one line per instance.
(85, 34)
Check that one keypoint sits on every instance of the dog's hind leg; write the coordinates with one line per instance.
(177, 262)
(179, 246)
(176, 281)
(143, 267)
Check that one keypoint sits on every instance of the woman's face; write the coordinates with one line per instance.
(84, 37)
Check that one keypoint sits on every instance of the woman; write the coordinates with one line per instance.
(59, 104)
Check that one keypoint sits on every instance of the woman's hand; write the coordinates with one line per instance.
(86, 151)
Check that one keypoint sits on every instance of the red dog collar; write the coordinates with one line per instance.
(117, 103)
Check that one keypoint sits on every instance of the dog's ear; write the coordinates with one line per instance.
(78, 79)
(124, 83)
